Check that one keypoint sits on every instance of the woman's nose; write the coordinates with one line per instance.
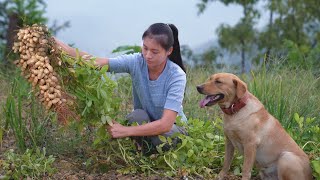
(148, 54)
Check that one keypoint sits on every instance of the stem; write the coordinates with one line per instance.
(164, 157)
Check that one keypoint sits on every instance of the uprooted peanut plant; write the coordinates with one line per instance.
(33, 45)
(37, 61)
(72, 87)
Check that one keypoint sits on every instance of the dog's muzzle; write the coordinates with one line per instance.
(200, 89)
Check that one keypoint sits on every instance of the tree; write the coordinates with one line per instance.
(240, 38)
(16, 13)
(209, 56)
(293, 20)
(296, 21)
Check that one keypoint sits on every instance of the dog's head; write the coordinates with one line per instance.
(222, 88)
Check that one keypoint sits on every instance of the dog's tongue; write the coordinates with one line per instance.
(204, 101)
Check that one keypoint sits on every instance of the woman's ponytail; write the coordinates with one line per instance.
(175, 56)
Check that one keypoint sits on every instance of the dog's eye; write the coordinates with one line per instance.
(217, 82)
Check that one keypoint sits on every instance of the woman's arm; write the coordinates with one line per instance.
(157, 127)
(72, 52)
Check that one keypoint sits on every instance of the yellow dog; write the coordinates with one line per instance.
(256, 134)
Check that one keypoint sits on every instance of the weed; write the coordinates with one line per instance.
(24, 115)
(30, 164)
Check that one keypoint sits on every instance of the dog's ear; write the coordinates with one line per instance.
(241, 87)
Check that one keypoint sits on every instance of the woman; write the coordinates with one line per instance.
(158, 84)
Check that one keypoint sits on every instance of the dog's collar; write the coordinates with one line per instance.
(235, 107)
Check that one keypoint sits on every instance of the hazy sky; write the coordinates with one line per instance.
(99, 26)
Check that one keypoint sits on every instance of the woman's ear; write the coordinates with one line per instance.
(241, 87)
(169, 51)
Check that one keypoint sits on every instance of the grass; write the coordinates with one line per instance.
(4, 91)
(284, 93)
(287, 92)
(24, 115)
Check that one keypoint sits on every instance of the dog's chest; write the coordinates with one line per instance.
(237, 132)
(235, 139)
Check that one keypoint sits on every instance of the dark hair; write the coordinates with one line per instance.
(167, 36)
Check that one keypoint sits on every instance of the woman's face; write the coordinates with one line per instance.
(154, 54)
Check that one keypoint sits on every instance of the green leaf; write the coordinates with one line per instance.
(310, 120)
(169, 140)
(299, 120)
(101, 132)
(103, 119)
(109, 120)
(190, 152)
(174, 156)
(237, 171)
(104, 69)
(127, 49)
(89, 103)
(296, 116)
(184, 142)
(316, 166)
(103, 94)
(162, 138)
(96, 141)
(210, 135)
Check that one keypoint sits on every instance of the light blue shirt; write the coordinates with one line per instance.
(153, 96)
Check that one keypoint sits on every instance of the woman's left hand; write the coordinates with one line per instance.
(117, 130)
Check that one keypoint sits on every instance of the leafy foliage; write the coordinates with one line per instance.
(30, 164)
(94, 92)
(303, 57)
(316, 168)
(306, 131)
(197, 154)
(240, 38)
(202, 147)
(127, 49)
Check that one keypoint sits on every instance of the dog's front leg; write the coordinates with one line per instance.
(249, 158)
(229, 151)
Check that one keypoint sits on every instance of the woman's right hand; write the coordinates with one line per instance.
(65, 48)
